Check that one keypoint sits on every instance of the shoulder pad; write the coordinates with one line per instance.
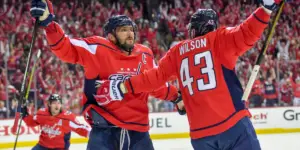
(144, 49)
(43, 111)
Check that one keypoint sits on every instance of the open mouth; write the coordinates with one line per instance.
(130, 41)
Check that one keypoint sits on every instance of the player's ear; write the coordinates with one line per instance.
(193, 32)
(111, 37)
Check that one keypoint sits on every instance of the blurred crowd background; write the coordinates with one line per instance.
(161, 25)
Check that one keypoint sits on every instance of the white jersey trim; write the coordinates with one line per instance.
(76, 126)
(83, 44)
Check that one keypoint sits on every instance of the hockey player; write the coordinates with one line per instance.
(56, 125)
(210, 88)
(115, 124)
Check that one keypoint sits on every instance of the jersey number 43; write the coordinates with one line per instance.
(187, 79)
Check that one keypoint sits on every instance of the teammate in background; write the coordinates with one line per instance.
(56, 125)
(115, 124)
(211, 91)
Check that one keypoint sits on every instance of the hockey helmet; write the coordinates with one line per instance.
(54, 97)
(202, 21)
(117, 21)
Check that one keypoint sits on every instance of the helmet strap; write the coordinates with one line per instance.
(192, 33)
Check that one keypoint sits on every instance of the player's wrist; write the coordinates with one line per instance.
(178, 98)
(268, 11)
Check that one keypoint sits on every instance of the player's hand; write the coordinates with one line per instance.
(108, 90)
(179, 104)
(43, 10)
(23, 111)
(271, 4)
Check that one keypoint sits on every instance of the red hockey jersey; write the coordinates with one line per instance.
(56, 130)
(103, 60)
(205, 65)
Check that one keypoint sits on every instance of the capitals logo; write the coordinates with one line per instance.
(119, 77)
(52, 131)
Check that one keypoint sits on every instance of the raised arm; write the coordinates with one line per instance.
(31, 121)
(232, 42)
(79, 128)
(67, 49)
(166, 92)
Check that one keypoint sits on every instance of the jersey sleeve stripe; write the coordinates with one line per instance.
(83, 44)
(96, 43)
(259, 19)
(57, 41)
(154, 64)
(130, 85)
(76, 126)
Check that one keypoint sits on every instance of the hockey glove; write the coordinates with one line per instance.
(270, 4)
(22, 110)
(43, 10)
(21, 113)
(107, 91)
(179, 104)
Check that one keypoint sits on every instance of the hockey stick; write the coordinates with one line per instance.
(17, 117)
(262, 54)
(22, 100)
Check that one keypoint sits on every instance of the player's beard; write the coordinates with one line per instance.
(126, 45)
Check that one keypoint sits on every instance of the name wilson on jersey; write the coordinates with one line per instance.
(191, 45)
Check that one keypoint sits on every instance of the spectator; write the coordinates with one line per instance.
(13, 108)
(270, 88)
(3, 110)
(168, 106)
(256, 95)
(287, 92)
(296, 100)
(283, 46)
(270, 92)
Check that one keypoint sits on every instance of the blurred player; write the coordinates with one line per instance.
(210, 88)
(56, 125)
(115, 124)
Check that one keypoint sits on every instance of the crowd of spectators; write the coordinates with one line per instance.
(161, 24)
